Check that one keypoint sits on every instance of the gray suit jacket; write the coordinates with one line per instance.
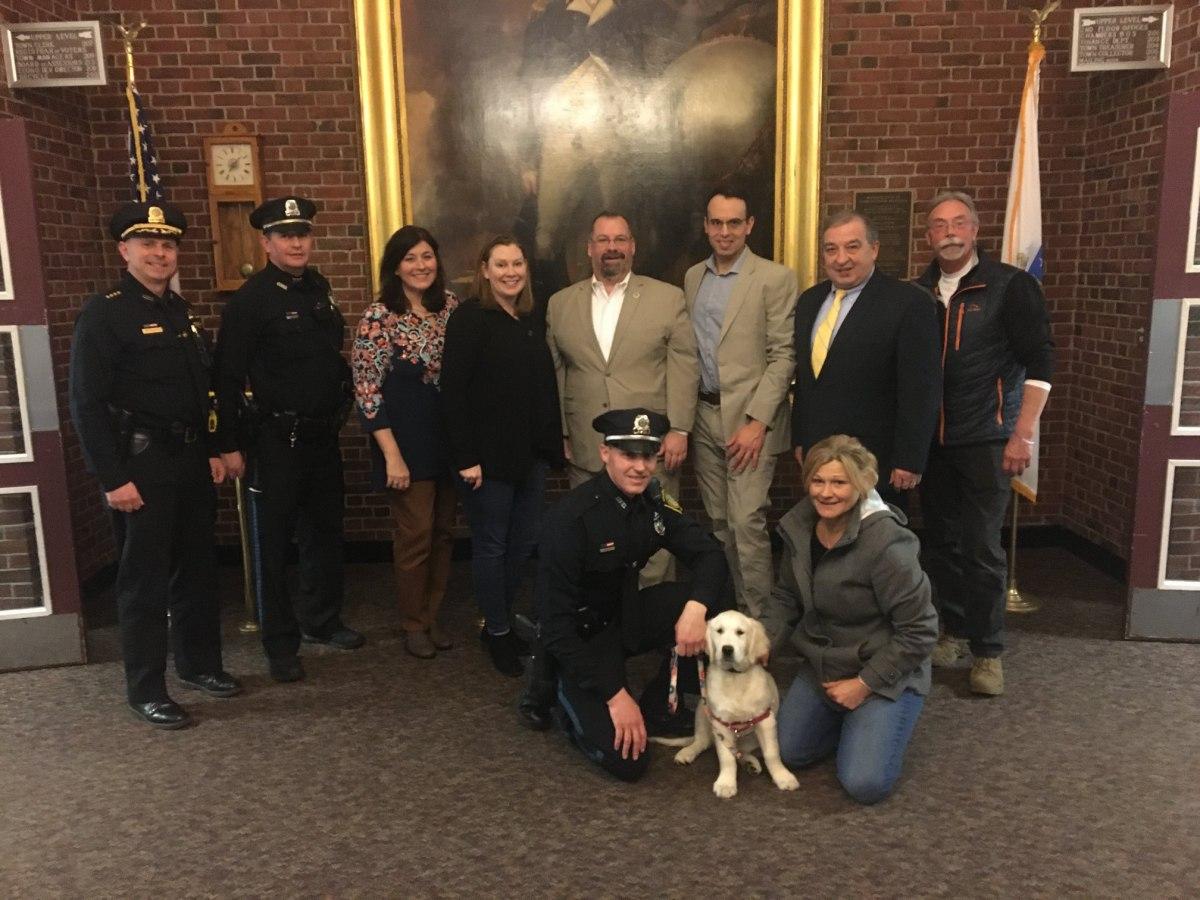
(755, 356)
(866, 611)
(652, 362)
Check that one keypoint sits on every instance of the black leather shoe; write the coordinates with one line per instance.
(286, 669)
(218, 684)
(503, 651)
(533, 715)
(165, 714)
(664, 725)
(343, 638)
(520, 646)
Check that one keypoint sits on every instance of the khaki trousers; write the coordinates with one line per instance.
(661, 566)
(738, 506)
(422, 542)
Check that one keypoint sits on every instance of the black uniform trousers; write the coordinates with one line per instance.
(297, 491)
(660, 606)
(168, 563)
(964, 496)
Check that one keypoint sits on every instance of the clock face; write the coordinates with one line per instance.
(233, 164)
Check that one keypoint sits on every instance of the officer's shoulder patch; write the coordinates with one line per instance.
(670, 502)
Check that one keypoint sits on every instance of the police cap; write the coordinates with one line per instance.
(633, 430)
(155, 219)
(289, 215)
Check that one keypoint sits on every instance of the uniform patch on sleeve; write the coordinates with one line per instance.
(670, 502)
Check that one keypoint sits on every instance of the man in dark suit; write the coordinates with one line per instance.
(866, 358)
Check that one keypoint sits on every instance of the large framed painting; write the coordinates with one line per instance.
(528, 117)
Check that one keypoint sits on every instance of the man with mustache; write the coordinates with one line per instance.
(866, 358)
(997, 361)
(619, 341)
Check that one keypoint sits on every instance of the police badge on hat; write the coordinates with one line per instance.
(291, 209)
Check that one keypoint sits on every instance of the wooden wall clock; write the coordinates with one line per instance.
(234, 190)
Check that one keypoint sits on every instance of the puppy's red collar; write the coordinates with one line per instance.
(739, 728)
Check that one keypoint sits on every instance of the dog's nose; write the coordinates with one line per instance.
(727, 650)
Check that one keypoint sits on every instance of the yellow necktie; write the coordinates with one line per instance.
(824, 337)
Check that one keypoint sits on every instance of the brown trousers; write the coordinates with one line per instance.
(423, 539)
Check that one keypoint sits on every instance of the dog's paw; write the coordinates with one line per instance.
(725, 789)
(752, 764)
(785, 781)
(686, 756)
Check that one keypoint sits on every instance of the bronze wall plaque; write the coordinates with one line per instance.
(891, 214)
(53, 54)
(1121, 37)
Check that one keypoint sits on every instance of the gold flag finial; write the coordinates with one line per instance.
(1040, 17)
(128, 36)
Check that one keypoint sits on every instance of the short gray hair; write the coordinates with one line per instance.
(946, 196)
(845, 217)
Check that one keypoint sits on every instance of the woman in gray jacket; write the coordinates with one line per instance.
(853, 599)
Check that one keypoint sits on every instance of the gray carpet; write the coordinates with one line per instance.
(383, 775)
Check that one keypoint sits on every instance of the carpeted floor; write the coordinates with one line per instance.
(382, 775)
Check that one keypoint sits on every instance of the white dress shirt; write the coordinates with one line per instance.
(606, 309)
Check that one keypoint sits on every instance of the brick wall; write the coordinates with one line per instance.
(921, 96)
(68, 220)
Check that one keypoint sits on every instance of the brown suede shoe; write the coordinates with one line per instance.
(987, 677)
(440, 639)
(419, 645)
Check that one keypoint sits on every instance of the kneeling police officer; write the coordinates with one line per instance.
(592, 614)
(139, 388)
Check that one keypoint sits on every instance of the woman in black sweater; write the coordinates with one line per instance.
(500, 403)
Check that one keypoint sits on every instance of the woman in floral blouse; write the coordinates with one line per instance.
(397, 366)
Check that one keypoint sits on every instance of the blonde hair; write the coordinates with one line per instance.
(862, 470)
(482, 288)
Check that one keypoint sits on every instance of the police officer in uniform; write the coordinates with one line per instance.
(139, 392)
(281, 334)
(593, 616)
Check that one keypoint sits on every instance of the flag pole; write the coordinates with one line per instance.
(128, 36)
(1015, 602)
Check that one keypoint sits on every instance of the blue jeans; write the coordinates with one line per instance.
(504, 517)
(870, 741)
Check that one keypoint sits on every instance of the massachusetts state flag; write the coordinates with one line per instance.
(1023, 217)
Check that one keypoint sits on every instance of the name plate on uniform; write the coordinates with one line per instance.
(1121, 37)
(891, 214)
(53, 54)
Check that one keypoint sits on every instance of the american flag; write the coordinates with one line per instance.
(143, 163)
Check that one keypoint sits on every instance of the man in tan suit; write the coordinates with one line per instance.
(742, 308)
(621, 341)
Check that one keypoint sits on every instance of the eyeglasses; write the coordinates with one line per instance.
(604, 240)
(958, 224)
(731, 224)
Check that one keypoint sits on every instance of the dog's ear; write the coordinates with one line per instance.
(759, 647)
(710, 641)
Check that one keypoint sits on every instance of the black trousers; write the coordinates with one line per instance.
(964, 496)
(660, 607)
(168, 563)
(297, 492)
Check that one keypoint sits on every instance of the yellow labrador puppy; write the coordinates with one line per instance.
(741, 706)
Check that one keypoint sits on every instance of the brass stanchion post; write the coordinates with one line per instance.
(250, 625)
(1014, 602)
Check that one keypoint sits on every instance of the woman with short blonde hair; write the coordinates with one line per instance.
(853, 599)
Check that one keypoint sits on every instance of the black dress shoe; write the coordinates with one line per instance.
(218, 684)
(532, 714)
(165, 714)
(286, 669)
(503, 651)
(343, 638)
(520, 646)
(665, 725)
